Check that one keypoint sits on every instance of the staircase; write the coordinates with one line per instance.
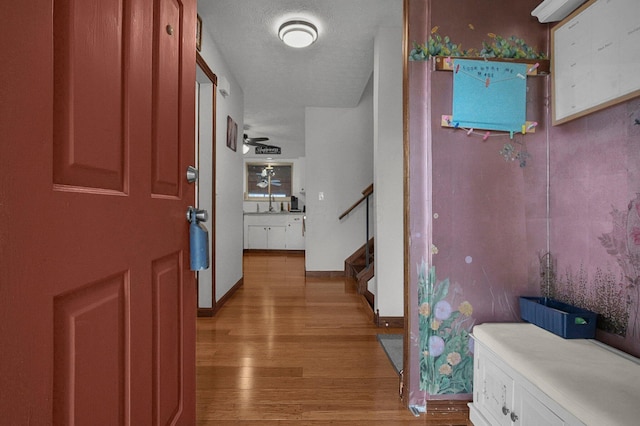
(357, 269)
(359, 266)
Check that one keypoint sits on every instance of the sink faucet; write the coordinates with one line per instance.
(268, 172)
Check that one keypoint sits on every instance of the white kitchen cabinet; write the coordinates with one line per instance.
(266, 237)
(273, 231)
(256, 237)
(295, 232)
(276, 237)
(527, 376)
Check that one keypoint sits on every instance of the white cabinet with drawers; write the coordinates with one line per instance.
(527, 376)
(501, 398)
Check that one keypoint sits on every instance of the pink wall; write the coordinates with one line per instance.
(595, 221)
(485, 217)
(490, 212)
(483, 223)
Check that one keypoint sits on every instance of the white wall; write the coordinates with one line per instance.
(229, 177)
(204, 134)
(339, 163)
(388, 172)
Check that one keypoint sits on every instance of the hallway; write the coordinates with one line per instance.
(293, 351)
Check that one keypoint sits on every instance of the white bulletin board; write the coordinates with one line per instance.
(595, 61)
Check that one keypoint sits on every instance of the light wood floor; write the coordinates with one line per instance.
(285, 350)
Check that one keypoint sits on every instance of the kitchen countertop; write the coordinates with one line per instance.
(270, 213)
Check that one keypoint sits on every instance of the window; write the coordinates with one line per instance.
(269, 178)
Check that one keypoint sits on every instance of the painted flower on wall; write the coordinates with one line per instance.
(465, 309)
(445, 370)
(635, 235)
(623, 243)
(436, 346)
(425, 309)
(613, 294)
(443, 310)
(454, 358)
(446, 365)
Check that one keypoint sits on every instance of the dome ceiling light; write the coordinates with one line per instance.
(298, 33)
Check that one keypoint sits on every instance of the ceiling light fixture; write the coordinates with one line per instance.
(298, 33)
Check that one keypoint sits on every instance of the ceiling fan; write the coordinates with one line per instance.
(267, 175)
(265, 183)
(262, 147)
(254, 141)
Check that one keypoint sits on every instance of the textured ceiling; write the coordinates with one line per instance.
(279, 81)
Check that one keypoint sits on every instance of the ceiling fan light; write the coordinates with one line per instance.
(298, 33)
(245, 148)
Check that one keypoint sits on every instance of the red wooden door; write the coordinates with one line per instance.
(97, 303)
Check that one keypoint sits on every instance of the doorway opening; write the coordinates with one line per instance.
(206, 84)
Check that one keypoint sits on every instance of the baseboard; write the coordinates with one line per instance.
(205, 312)
(220, 303)
(368, 308)
(323, 274)
(436, 406)
(265, 252)
(391, 322)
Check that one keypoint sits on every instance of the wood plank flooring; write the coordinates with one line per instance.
(285, 350)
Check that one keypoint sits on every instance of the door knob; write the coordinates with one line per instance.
(192, 174)
(197, 215)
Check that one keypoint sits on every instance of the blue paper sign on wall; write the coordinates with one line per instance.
(489, 95)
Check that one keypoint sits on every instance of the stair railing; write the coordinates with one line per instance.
(368, 191)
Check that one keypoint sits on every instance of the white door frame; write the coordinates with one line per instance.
(206, 84)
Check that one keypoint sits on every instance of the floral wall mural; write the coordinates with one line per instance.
(595, 220)
(623, 243)
(612, 293)
(446, 365)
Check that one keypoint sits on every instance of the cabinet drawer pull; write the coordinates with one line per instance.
(505, 410)
(514, 417)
